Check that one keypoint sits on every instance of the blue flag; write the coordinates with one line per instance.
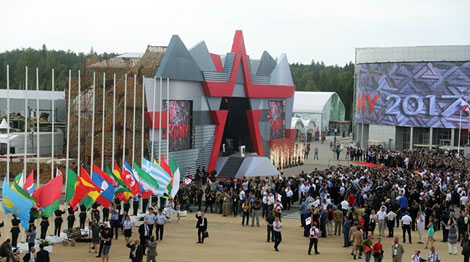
(16, 204)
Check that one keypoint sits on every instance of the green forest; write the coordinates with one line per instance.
(313, 77)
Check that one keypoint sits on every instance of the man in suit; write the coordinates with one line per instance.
(42, 255)
(201, 227)
(144, 233)
(136, 253)
(30, 254)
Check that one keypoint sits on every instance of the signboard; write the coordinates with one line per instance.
(424, 94)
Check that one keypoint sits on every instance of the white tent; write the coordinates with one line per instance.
(256, 166)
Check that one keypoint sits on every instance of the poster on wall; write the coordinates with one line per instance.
(413, 94)
(179, 125)
(277, 119)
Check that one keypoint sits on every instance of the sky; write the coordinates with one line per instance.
(306, 30)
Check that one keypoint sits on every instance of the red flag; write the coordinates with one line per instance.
(29, 183)
(48, 195)
(167, 168)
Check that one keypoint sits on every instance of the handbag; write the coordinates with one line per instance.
(205, 234)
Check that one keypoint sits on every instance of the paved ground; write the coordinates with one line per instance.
(325, 157)
(229, 241)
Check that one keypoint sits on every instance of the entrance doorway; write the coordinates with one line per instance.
(236, 126)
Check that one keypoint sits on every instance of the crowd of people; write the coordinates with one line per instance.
(423, 191)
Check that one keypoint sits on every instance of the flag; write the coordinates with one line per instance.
(48, 195)
(71, 184)
(83, 186)
(19, 189)
(122, 192)
(176, 177)
(27, 184)
(167, 169)
(157, 173)
(91, 197)
(129, 179)
(464, 106)
(103, 181)
(148, 183)
(15, 203)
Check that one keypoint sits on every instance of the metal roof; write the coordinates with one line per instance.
(311, 102)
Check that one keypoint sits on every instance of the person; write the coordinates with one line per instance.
(169, 210)
(397, 250)
(313, 238)
(430, 232)
(420, 223)
(256, 209)
(106, 237)
(377, 251)
(95, 234)
(42, 255)
(144, 233)
(269, 226)
(433, 256)
(225, 201)
(406, 226)
(114, 221)
(127, 224)
(367, 248)
(178, 212)
(346, 227)
(391, 222)
(136, 253)
(452, 239)
(15, 230)
(338, 217)
(416, 256)
(151, 249)
(315, 156)
(381, 215)
(201, 226)
(6, 251)
(246, 212)
(150, 216)
(357, 238)
(277, 227)
(30, 256)
(160, 223)
(70, 217)
(31, 236)
(465, 244)
(209, 201)
(58, 221)
(44, 227)
(372, 223)
(82, 216)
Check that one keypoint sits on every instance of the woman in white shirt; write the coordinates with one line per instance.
(169, 209)
(127, 224)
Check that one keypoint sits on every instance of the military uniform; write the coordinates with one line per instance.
(15, 231)
(82, 216)
(58, 221)
(70, 218)
(44, 227)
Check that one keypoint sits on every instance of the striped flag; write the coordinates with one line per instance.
(176, 177)
(129, 178)
(157, 173)
(144, 179)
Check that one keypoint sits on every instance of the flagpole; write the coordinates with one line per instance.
(114, 118)
(79, 113)
(460, 130)
(133, 121)
(153, 119)
(168, 118)
(93, 125)
(25, 120)
(125, 120)
(68, 133)
(53, 130)
(7, 227)
(160, 100)
(37, 134)
(143, 124)
(102, 120)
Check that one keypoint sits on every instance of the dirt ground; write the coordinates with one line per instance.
(229, 241)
